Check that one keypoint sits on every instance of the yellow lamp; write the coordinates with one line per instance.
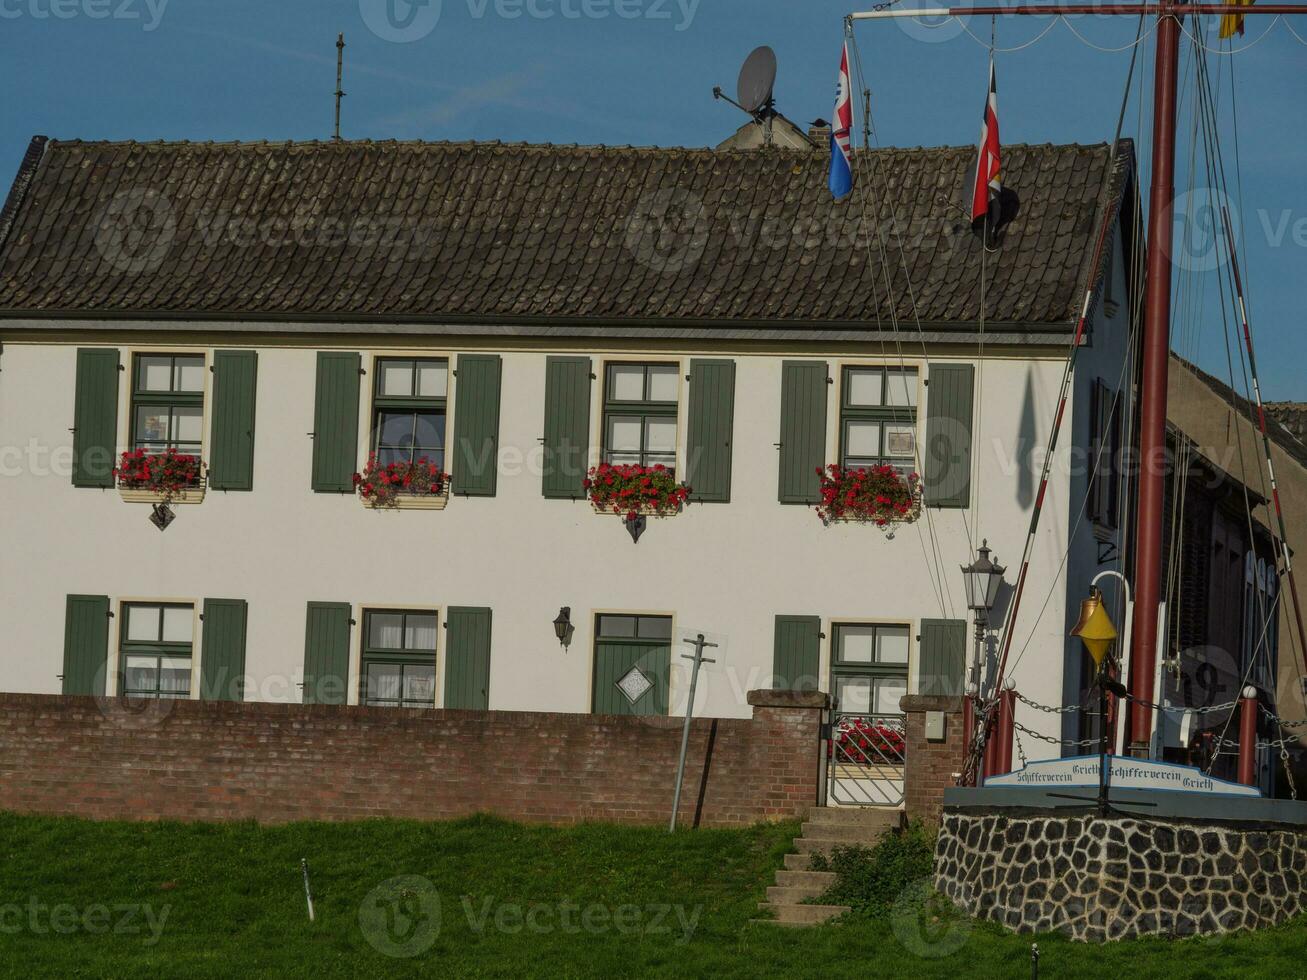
(1095, 629)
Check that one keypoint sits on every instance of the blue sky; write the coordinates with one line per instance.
(641, 72)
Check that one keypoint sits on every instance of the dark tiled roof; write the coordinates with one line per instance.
(1291, 415)
(1281, 434)
(511, 233)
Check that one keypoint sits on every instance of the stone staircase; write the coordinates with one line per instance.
(825, 828)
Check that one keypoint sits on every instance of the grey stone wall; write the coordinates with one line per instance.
(1105, 878)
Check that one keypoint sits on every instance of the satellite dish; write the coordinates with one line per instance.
(757, 78)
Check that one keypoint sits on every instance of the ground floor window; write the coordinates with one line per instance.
(156, 648)
(869, 669)
(632, 672)
(399, 659)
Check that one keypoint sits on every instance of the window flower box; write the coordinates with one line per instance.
(416, 485)
(632, 491)
(168, 477)
(868, 495)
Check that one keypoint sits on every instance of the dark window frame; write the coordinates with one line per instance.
(158, 649)
(875, 671)
(885, 414)
(414, 403)
(644, 409)
(170, 400)
(636, 635)
(1105, 436)
(401, 656)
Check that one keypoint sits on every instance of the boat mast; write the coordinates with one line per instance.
(1156, 340)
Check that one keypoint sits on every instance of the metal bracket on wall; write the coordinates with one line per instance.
(636, 527)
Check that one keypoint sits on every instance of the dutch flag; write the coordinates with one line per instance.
(841, 147)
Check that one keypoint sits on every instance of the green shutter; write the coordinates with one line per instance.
(796, 657)
(336, 422)
(946, 463)
(943, 662)
(708, 439)
(86, 644)
(614, 658)
(467, 658)
(326, 653)
(476, 425)
(222, 650)
(95, 417)
(567, 426)
(231, 456)
(803, 430)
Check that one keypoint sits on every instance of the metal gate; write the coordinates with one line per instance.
(865, 759)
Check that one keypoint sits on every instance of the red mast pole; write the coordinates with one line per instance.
(1152, 407)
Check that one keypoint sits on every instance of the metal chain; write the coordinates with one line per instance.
(1055, 741)
(1021, 750)
(1047, 709)
(1227, 706)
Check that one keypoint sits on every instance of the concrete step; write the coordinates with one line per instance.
(793, 894)
(854, 815)
(802, 914)
(805, 879)
(820, 845)
(849, 833)
(800, 862)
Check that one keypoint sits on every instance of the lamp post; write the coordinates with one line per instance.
(982, 578)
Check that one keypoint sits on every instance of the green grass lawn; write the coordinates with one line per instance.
(484, 897)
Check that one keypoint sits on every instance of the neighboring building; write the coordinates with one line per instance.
(1221, 425)
(515, 310)
(1292, 419)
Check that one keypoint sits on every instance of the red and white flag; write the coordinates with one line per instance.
(989, 171)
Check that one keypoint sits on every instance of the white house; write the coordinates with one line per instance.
(510, 311)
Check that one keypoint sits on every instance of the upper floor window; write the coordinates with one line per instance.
(878, 418)
(168, 402)
(409, 409)
(157, 640)
(399, 659)
(640, 414)
(1104, 455)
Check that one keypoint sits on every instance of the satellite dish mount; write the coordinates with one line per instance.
(755, 89)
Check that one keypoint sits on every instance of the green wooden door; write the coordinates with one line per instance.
(86, 644)
(614, 659)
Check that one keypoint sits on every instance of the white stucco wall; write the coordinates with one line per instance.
(725, 569)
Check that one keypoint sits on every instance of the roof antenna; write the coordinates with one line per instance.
(756, 82)
(340, 60)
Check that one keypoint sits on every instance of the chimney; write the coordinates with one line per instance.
(819, 132)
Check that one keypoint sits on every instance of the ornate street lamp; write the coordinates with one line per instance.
(982, 578)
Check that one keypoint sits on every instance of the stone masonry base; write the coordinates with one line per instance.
(1105, 878)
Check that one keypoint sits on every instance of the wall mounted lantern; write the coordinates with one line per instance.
(563, 625)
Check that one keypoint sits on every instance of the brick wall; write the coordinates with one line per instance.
(194, 760)
(932, 765)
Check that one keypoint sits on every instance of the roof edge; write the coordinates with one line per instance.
(36, 150)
